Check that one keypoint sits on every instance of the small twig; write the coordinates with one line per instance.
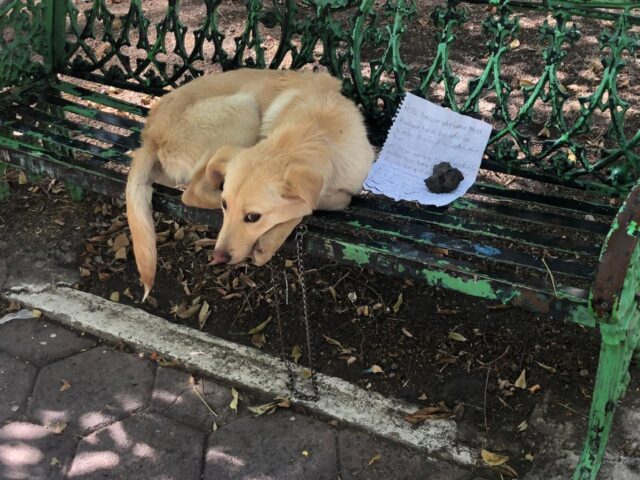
(553, 281)
(371, 289)
(204, 401)
(486, 385)
(488, 364)
(572, 410)
(286, 288)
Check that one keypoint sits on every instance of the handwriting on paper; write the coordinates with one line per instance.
(422, 135)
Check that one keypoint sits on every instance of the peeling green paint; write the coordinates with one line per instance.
(355, 254)
(478, 288)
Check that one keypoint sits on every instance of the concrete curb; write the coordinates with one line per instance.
(242, 366)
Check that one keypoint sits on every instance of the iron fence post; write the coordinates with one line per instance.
(55, 23)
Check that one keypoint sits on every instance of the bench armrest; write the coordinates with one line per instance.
(616, 257)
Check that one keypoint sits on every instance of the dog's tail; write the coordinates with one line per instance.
(140, 215)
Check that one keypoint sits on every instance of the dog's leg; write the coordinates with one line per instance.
(337, 200)
(204, 198)
(269, 243)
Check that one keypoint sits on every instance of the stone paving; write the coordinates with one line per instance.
(71, 407)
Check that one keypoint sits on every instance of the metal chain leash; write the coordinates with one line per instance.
(291, 384)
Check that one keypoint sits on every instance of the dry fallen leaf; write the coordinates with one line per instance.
(521, 382)
(247, 280)
(398, 304)
(333, 293)
(457, 337)
(205, 242)
(258, 340)
(493, 459)
(529, 457)
(514, 44)
(446, 311)
(498, 306)
(523, 426)
(22, 178)
(376, 458)
(65, 386)
(114, 297)
(407, 333)
(203, 315)
(120, 241)
(524, 83)
(547, 367)
(36, 313)
(57, 427)
(535, 388)
(544, 133)
(296, 353)
(234, 402)
(269, 408)
(84, 272)
(376, 369)
(434, 412)
(188, 312)
(121, 254)
(260, 327)
(179, 235)
(333, 342)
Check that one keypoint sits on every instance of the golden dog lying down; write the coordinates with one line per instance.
(268, 147)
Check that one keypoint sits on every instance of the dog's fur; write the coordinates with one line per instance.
(283, 143)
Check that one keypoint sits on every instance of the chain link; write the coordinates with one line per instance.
(291, 384)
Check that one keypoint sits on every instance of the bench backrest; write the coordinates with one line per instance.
(541, 82)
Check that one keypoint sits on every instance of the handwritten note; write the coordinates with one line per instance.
(422, 135)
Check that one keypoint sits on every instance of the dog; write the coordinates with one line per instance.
(268, 147)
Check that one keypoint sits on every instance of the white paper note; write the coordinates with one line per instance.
(422, 135)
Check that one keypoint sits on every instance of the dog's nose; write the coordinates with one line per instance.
(221, 257)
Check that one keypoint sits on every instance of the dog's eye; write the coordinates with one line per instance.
(252, 217)
(224, 204)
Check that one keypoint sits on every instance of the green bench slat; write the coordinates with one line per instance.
(91, 113)
(584, 206)
(119, 143)
(99, 98)
(420, 236)
(97, 155)
(442, 218)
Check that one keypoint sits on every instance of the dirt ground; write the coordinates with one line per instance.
(406, 340)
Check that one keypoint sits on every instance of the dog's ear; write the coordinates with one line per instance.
(216, 167)
(204, 189)
(303, 184)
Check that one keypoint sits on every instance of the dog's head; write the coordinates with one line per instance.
(260, 189)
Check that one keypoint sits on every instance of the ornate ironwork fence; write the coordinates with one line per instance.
(362, 43)
(460, 54)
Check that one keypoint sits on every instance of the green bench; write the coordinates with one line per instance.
(559, 236)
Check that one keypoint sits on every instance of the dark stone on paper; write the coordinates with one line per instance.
(445, 178)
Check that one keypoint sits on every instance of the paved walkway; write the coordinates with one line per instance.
(73, 408)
